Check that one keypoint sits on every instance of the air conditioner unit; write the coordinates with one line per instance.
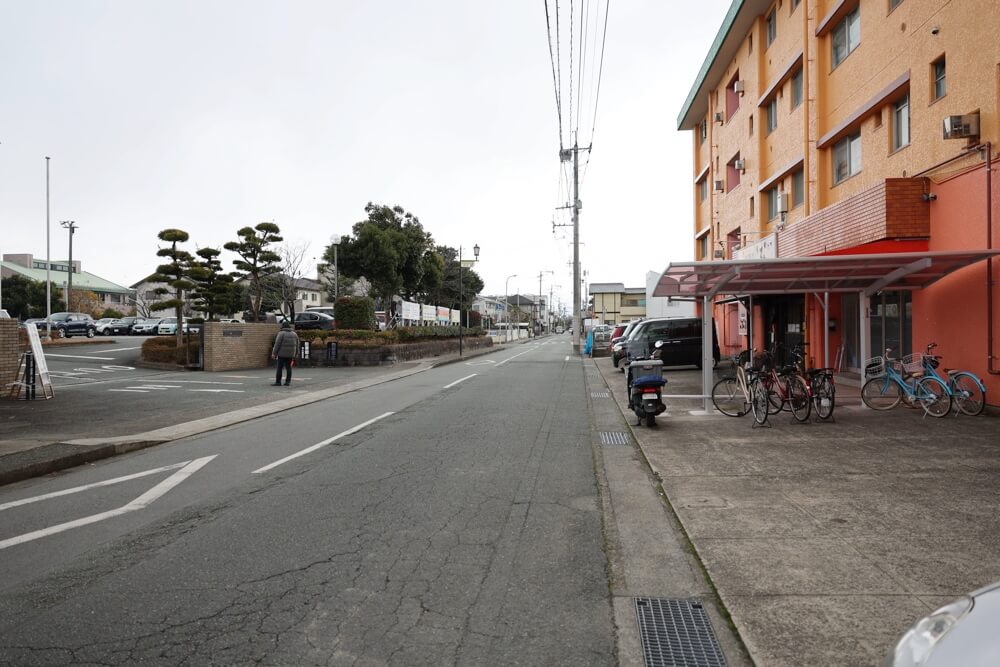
(720, 186)
(783, 202)
(738, 87)
(719, 117)
(961, 127)
(740, 165)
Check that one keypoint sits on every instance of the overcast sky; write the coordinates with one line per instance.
(212, 115)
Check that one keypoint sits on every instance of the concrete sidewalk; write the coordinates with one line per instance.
(826, 540)
(78, 426)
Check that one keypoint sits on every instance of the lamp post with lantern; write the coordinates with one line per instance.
(461, 294)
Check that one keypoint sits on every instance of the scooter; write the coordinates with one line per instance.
(645, 383)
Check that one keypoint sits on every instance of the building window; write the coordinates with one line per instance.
(940, 82)
(901, 123)
(703, 189)
(772, 115)
(732, 174)
(703, 247)
(751, 126)
(732, 97)
(846, 36)
(772, 27)
(795, 4)
(702, 132)
(797, 89)
(312, 297)
(894, 3)
(772, 203)
(846, 158)
(798, 188)
(751, 207)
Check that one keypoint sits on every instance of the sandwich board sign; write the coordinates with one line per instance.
(41, 367)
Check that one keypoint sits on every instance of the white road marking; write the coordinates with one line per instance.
(158, 387)
(566, 359)
(481, 362)
(134, 391)
(324, 443)
(205, 382)
(139, 503)
(449, 386)
(217, 391)
(76, 356)
(87, 487)
(117, 349)
(515, 356)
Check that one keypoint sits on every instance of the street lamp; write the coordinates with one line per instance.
(461, 295)
(72, 227)
(506, 307)
(335, 241)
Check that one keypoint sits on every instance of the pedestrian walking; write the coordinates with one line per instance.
(286, 348)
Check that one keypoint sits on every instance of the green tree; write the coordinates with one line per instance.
(215, 291)
(257, 261)
(111, 312)
(175, 274)
(390, 249)
(24, 297)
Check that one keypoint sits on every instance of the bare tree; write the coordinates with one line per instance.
(292, 270)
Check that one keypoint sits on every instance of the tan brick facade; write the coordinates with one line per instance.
(10, 353)
(893, 209)
(227, 350)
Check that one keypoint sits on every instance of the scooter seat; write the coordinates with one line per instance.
(649, 381)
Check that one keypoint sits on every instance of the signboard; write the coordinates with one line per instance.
(765, 248)
(229, 333)
(443, 315)
(454, 316)
(742, 315)
(428, 313)
(41, 366)
(410, 311)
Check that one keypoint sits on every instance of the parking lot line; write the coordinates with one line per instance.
(75, 356)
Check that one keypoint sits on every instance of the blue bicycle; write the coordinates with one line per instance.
(892, 381)
(968, 393)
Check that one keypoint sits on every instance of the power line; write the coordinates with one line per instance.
(552, 59)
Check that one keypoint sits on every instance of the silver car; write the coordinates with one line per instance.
(963, 632)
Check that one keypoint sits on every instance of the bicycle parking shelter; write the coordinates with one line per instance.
(861, 274)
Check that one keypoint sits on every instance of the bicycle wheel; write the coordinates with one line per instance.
(881, 393)
(823, 396)
(729, 399)
(967, 393)
(798, 397)
(758, 401)
(933, 396)
(774, 401)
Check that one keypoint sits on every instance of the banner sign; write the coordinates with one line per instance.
(428, 313)
(410, 311)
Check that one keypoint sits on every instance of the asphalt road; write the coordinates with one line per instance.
(449, 517)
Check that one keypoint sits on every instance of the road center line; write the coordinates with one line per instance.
(449, 386)
(324, 443)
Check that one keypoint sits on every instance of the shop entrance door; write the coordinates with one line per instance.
(785, 318)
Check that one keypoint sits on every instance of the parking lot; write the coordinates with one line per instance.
(826, 540)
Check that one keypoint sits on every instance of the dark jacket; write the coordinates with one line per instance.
(286, 344)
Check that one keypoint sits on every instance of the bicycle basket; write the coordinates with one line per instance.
(875, 367)
(913, 363)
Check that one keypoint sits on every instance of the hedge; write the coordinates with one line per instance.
(355, 313)
(163, 349)
(370, 338)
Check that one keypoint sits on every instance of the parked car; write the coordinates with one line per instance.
(145, 327)
(560, 330)
(110, 326)
(168, 326)
(681, 338)
(65, 325)
(313, 320)
(962, 632)
(37, 322)
(128, 323)
(619, 344)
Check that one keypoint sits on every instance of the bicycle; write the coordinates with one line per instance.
(968, 393)
(819, 383)
(786, 388)
(736, 395)
(891, 380)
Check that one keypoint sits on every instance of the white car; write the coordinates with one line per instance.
(167, 326)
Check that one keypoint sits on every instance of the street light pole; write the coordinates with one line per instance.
(506, 307)
(72, 227)
(335, 240)
(48, 260)
(461, 293)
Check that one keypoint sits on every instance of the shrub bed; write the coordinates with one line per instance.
(164, 350)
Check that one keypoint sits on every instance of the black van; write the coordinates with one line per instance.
(681, 338)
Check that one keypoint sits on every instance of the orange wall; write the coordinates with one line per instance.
(952, 312)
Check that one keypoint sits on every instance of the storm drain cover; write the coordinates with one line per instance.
(677, 633)
(614, 438)
(600, 394)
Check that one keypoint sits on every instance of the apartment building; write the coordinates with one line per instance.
(613, 303)
(839, 127)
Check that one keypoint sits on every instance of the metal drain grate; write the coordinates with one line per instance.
(677, 633)
(614, 438)
(600, 394)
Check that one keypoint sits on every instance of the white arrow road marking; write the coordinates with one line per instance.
(449, 386)
(142, 502)
(321, 444)
(515, 356)
(219, 391)
(75, 356)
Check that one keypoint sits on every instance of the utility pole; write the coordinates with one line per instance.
(71, 226)
(540, 318)
(48, 260)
